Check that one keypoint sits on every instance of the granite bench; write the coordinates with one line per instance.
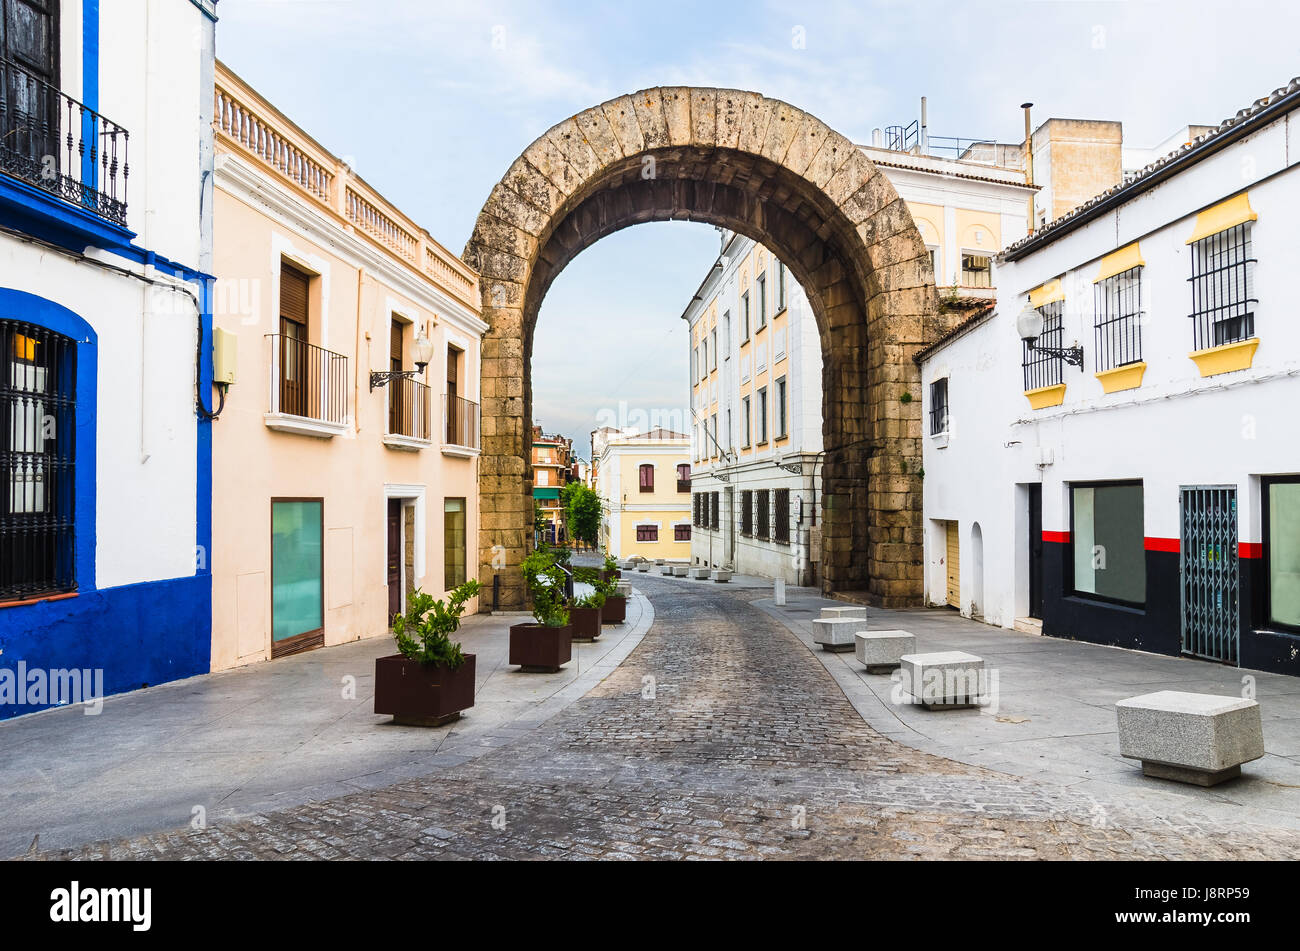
(720, 575)
(1196, 738)
(943, 680)
(836, 634)
(679, 571)
(849, 610)
(700, 574)
(882, 651)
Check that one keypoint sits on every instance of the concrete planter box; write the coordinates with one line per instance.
(417, 694)
(1193, 738)
(882, 651)
(585, 623)
(951, 680)
(852, 610)
(836, 634)
(536, 647)
(615, 609)
(720, 575)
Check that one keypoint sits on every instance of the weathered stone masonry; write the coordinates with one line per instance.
(778, 175)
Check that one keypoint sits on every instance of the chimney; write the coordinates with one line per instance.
(923, 142)
(1029, 161)
(877, 139)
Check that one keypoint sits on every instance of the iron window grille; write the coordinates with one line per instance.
(647, 533)
(976, 270)
(939, 407)
(37, 464)
(747, 512)
(764, 514)
(1119, 319)
(782, 526)
(713, 507)
(1044, 368)
(681, 533)
(1223, 308)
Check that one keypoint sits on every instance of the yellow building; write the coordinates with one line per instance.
(644, 481)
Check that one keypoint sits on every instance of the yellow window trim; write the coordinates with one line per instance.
(1226, 358)
(1048, 293)
(1046, 396)
(1117, 262)
(1127, 377)
(1226, 214)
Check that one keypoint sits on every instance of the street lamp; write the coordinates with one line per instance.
(421, 354)
(1030, 327)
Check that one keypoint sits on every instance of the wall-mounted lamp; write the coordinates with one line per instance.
(1030, 327)
(421, 353)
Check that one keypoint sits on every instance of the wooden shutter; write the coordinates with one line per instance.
(647, 478)
(293, 294)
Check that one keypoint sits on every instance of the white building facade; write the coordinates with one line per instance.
(1150, 497)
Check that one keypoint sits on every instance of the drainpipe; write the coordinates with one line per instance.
(1029, 163)
(925, 133)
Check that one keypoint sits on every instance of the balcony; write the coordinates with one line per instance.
(309, 388)
(408, 416)
(54, 143)
(460, 427)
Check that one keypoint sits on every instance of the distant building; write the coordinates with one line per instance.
(551, 472)
(644, 481)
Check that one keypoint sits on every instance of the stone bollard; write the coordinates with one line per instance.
(778, 592)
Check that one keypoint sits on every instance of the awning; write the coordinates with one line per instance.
(1117, 262)
(1226, 214)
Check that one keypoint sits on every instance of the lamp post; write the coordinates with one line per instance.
(421, 354)
(1030, 327)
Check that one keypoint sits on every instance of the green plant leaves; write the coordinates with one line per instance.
(424, 632)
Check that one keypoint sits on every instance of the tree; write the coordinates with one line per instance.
(582, 512)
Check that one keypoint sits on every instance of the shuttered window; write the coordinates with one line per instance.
(294, 286)
(647, 478)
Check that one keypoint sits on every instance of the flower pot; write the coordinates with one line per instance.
(419, 694)
(615, 609)
(538, 647)
(585, 622)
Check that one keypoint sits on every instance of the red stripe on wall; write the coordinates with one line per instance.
(1250, 550)
(1162, 544)
(1062, 538)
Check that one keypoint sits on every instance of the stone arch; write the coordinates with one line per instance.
(776, 174)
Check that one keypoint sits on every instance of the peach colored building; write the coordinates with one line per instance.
(345, 459)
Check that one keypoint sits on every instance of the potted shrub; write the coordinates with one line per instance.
(429, 680)
(609, 571)
(585, 616)
(546, 644)
(614, 610)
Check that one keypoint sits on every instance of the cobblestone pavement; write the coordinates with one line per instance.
(718, 737)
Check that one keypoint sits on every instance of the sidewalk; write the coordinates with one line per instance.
(266, 736)
(1055, 715)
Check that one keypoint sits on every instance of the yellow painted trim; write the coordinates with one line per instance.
(1046, 396)
(1048, 293)
(1117, 262)
(1223, 216)
(1127, 377)
(1226, 358)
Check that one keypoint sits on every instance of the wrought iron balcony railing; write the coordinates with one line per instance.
(307, 380)
(55, 143)
(460, 417)
(408, 409)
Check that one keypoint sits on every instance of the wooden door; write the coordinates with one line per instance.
(394, 558)
(453, 382)
(30, 113)
(954, 566)
(294, 356)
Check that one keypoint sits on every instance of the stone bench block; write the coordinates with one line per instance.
(836, 634)
(720, 575)
(700, 574)
(666, 570)
(882, 651)
(643, 566)
(852, 610)
(1196, 738)
(679, 571)
(944, 680)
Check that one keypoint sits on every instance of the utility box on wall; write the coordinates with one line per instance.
(225, 357)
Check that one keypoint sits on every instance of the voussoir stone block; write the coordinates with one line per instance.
(880, 651)
(1190, 737)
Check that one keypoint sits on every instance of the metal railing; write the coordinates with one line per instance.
(408, 409)
(1223, 301)
(307, 380)
(460, 422)
(55, 143)
(1118, 302)
(1041, 366)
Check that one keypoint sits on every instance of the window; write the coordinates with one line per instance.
(780, 287)
(647, 533)
(681, 533)
(782, 527)
(746, 424)
(704, 358)
(543, 477)
(1109, 549)
(1045, 369)
(764, 514)
(781, 422)
(295, 360)
(762, 416)
(976, 270)
(713, 506)
(744, 316)
(1119, 319)
(1281, 515)
(934, 262)
(38, 374)
(1223, 308)
(713, 336)
(762, 301)
(747, 512)
(453, 543)
(297, 568)
(939, 406)
(647, 477)
(684, 477)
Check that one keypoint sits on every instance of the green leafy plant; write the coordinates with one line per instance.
(424, 632)
(545, 579)
(610, 563)
(906, 397)
(594, 600)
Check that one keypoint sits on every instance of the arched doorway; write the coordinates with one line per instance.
(774, 173)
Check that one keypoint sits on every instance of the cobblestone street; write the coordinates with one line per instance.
(718, 737)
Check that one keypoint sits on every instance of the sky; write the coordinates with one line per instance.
(431, 101)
